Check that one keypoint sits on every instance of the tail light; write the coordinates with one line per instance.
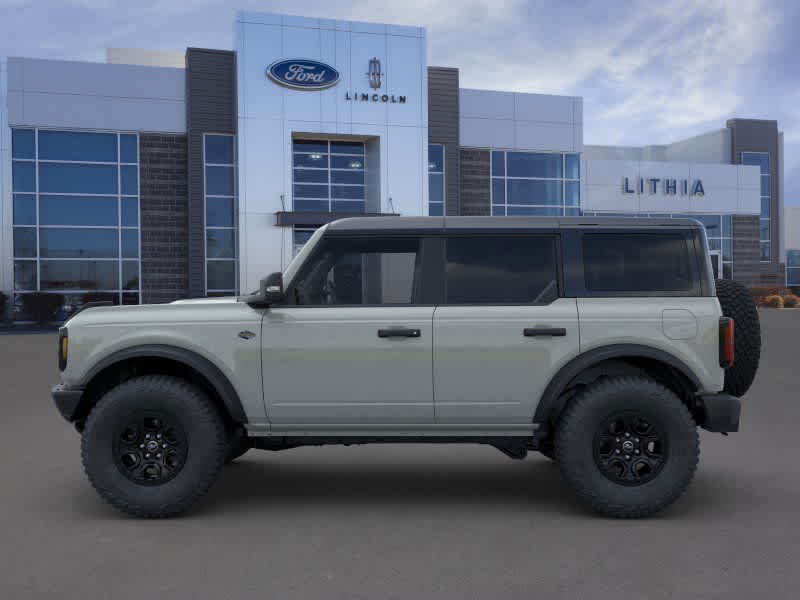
(63, 348)
(726, 326)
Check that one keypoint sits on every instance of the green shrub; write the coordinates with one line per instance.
(773, 301)
(41, 306)
(790, 301)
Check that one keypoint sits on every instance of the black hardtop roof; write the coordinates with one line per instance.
(434, 224)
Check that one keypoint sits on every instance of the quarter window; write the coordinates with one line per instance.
(348, 271)
(501, 270)
(657, 262)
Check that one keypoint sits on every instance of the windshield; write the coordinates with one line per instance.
(300, 258)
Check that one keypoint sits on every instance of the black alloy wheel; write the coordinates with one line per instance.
(150, 448)
(629, 449)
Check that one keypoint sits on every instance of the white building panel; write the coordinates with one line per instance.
(545, 136)
(270, 115)
(55, 93)
(486, 133)
(485, 104)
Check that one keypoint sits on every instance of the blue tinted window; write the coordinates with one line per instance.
(128, 149)
(130, 243)
(342, 162)
(435, 158)
(726, 225)
(219, 212)
(498, 191)
(313, 175)
(78, 243)
(220, 243)
(77, 210)
(24, 209)
(765, 185)
(436, 187)
(793, 258)
(349, 206)
(499, 211)
(573, 166)
(572, 189)
(711, 222)
(538, 211)
(219, 181)
(23, 176)
(130, 212)
(23, 143)
(310, 146)
(219, 149)
(221, 275)
(78, 179)
(436, 209)
(129, 180)
(73, 145)
(80, 275)
(572, 211)
(759, 159)
(764, 207)
(25, 242)
(347, 192)
(347, 148)
(530, 164)
(311, 205)
(727, 249)
(764, 229)
(25, 275)
(320, 161)
(498, 163)
(354, 177)
(521, 191)
(310, 191)
(130, 275)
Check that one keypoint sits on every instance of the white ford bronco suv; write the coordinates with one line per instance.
(602, 343)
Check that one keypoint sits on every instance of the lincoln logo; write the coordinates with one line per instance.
(374, 74)
(667, 186)
(301, 74)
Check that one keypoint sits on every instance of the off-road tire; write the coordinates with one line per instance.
(238, 444)
(575, 450)
(738, 304)
(205, 442)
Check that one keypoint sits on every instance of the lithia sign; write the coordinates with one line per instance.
(667, 186)
(306, 74)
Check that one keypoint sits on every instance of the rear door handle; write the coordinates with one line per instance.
(403, 332)
(544, 332)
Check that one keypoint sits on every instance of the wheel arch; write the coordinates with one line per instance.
(613, 360)
(164, 359)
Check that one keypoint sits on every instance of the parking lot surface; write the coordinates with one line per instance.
(404, 522)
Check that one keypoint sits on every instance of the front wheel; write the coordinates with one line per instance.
(628, 446)
(153, 445)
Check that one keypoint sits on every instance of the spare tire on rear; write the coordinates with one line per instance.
(738, 304)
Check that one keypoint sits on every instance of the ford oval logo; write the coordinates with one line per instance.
(303, 74)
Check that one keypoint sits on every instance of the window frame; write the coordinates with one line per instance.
(418, 283)
(575, 272)
(443, 173)
(234, 227)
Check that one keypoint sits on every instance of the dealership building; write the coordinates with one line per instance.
(156, 176)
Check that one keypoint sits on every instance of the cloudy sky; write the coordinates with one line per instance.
(649, 72)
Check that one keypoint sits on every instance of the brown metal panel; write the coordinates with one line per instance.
(443, 128)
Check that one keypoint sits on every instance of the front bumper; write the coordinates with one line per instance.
(67, 400)
(720, 412)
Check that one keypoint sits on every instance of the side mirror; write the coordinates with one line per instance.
(270, 291)
(271, 288)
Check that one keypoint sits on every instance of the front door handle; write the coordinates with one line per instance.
(544, 332)
(402, 332)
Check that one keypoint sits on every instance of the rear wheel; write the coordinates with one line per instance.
(628, 446)
(153, 445)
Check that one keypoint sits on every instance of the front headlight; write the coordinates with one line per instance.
(63, 348)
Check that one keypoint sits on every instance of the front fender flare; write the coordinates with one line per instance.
(218, 380)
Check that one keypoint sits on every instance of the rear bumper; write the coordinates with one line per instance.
(720, 412)
(67, 400)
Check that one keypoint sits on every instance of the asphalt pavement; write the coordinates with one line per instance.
(401, 521)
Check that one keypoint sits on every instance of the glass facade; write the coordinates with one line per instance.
(535, 183)
(328, 176)
(793, 267)
(718, 232)
(435, 180)
(75, 216)
(221, 225)
(761, 160)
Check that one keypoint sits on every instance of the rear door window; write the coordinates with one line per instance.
(501, 269)
(637, 262)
